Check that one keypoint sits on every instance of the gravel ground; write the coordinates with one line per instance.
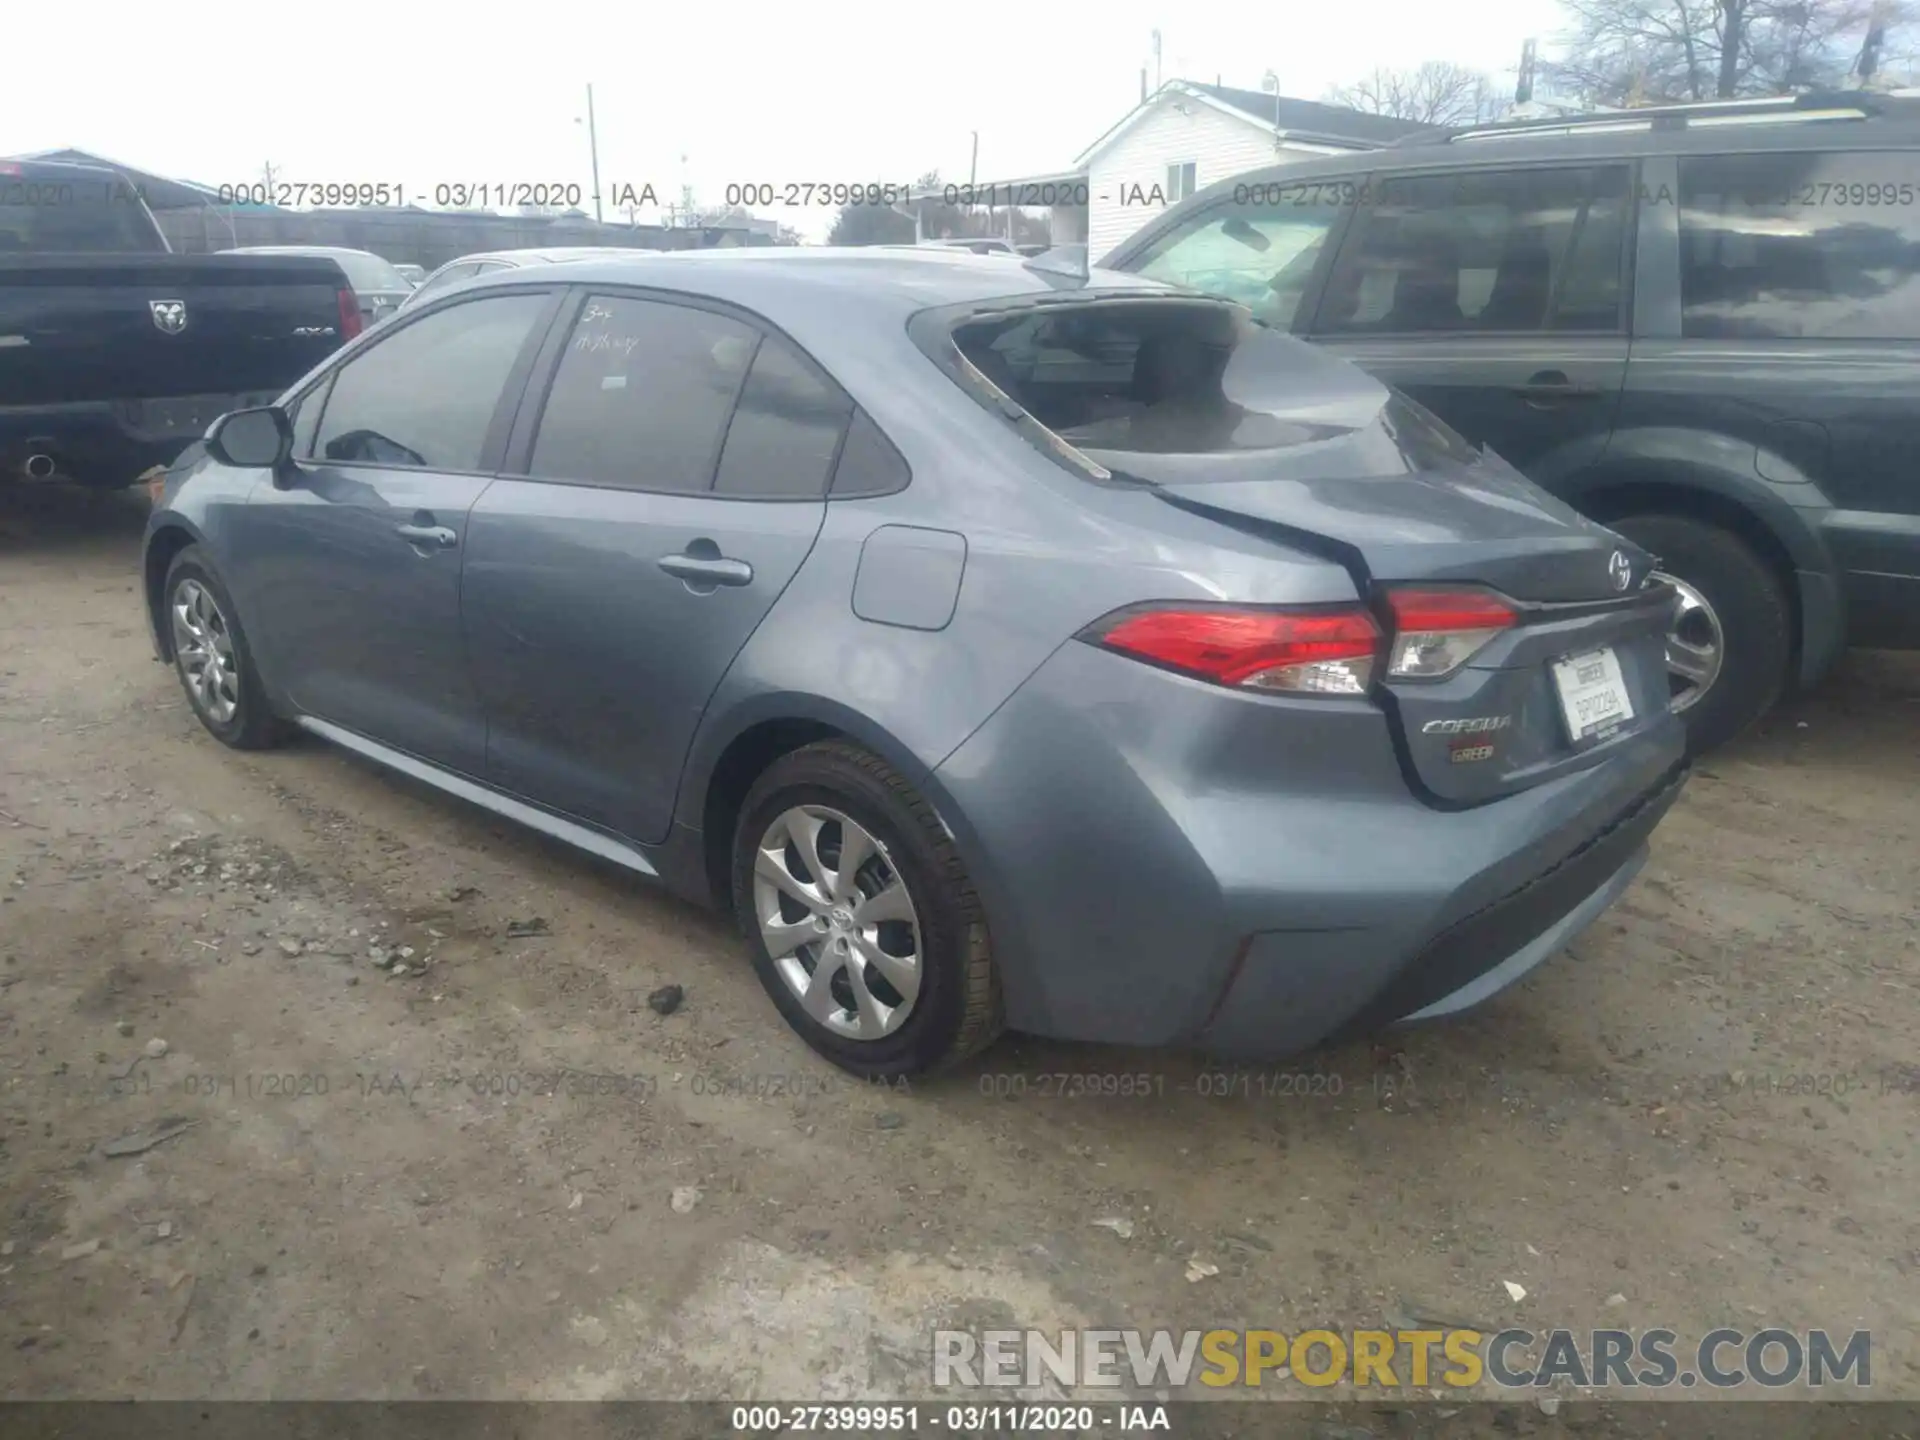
(362, 1183)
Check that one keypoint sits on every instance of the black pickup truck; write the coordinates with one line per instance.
(116, 354)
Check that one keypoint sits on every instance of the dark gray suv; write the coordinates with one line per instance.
(1699, 325)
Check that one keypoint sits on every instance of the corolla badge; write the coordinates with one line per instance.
(1472, 725)
(1621, 569)
(169, 316)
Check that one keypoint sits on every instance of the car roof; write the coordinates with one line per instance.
(547, 255)
(297, 250)
(772, 281)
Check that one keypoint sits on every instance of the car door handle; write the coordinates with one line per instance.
(1551, 385)
(708, 569)
(438, 536)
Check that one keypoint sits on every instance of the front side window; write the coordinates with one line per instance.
(1800, 246)
(1257, 248)
(642, 394)
(1487, 253)
(425, 395)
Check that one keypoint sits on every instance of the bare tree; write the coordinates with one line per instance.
(1634, 52)
(1436, 93)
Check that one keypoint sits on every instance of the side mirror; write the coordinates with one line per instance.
(259, 439)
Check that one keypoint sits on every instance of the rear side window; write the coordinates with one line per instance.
(641, 397)
(1785, 246)
(1482, 252)
(424, 395)
(869, 465)
(785, 430)
(1258, 249)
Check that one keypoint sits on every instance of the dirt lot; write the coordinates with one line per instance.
(383, 1195)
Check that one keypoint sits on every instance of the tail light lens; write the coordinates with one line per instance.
(1437, 631)
(1308, 650)
(350, 324)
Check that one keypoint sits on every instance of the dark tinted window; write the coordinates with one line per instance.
(869, 465)
(426, 393)
(641, 396)
(1487, 252)
(1800, 245)
(48, 211)
(1259, 248)
(785, 430)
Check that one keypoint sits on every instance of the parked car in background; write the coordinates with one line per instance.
(1700, 325)
(412, 274)
(116, 354)
(1000, 650)
(468, 266)
(378, 286)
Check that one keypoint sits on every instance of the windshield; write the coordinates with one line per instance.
(52, 215)
(1117, 379)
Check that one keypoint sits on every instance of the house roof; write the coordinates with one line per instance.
(160, 191)
(1307, 121)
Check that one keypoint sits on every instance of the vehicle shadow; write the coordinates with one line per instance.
(48, 518)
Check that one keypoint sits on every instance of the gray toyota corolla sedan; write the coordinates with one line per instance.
(1003, 648)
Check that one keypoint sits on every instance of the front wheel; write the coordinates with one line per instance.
(861, 921)
(1730, 646)
(210, 656)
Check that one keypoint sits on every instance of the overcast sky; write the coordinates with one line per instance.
(422, 94)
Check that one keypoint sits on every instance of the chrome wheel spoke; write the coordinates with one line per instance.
(871, 1017)
(1692, 662)
(770, 865)
(1696, 645)
(784, 936)
(203, 649)
(890, 903)
(856, 846)
(902, 972)
(818, 995)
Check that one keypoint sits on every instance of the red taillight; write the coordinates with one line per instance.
(1437, 631)
(349, 315)
(1315, 650)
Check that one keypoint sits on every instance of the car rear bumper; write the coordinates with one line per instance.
(1158, 868)
(112, 442)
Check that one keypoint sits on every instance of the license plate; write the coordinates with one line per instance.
(1593, 694)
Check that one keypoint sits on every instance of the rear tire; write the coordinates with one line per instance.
(1747, 604)
(211, 657)
(871, 1014)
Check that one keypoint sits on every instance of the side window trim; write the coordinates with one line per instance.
(517, 459)
(505, 408)
(1596, 166)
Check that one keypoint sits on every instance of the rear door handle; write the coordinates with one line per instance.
(1551, 385)
(708, 569)
(438, 536)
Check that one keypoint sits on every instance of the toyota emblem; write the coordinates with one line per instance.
(1621, 569)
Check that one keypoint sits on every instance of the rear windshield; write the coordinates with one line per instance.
(56, 215)
(369, 272)
(1166, 377)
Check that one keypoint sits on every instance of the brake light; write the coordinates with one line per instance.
(1316, 650)
(350, 323)
(1437, 631)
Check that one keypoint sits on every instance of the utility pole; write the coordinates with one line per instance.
(973, 165)
(1869, 62)
(1156, 60)
(593, 147)
(1523, 91)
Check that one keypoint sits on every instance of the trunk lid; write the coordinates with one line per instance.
(1210, 412)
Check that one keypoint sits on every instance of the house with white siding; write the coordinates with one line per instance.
(1178, 139)
(1185, 136)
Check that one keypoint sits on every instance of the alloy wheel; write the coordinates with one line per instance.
(838, 921)
(1696, 646)
(203, 649)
